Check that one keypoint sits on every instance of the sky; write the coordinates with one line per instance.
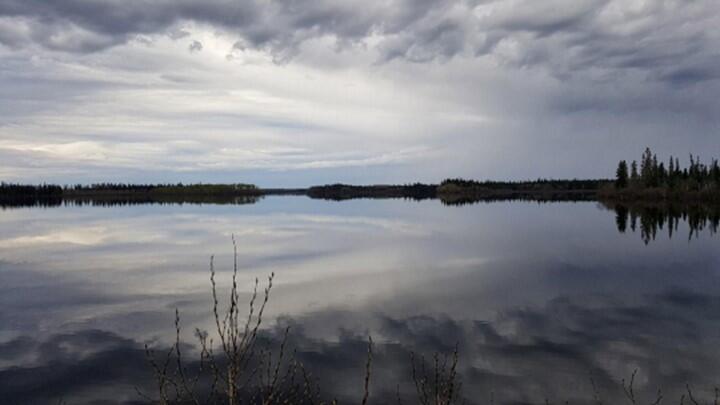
(295, 93)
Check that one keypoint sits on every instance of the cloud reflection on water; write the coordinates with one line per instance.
(537, 296)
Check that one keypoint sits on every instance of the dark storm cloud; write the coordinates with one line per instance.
(88, 26)
(668, 40)
(603, 38)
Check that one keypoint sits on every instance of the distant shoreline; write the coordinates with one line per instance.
(450, 192)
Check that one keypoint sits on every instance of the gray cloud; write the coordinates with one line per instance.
(470, 79)
(195, 46)
(670, 41)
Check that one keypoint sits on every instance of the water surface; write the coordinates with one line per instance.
(537, 297)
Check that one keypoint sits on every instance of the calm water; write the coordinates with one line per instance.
(537, 297)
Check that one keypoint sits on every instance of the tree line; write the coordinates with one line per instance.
(651, 173)
(525, 185)
(11, 190)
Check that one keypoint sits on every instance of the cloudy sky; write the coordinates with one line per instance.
(291, 92)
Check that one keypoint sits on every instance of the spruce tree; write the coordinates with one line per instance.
(621, 175)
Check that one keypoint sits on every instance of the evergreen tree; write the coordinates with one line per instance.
(621, 175)
(697, 176)
(654, 172)
(633, 171)
(671, 173)
(661, 175)
(646, 168)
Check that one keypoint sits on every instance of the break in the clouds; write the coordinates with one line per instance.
(300, 92)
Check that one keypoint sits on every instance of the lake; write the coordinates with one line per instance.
(542, 300)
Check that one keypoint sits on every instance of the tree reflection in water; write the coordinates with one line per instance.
(651, 219)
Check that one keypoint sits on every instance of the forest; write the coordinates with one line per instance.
(652, 179)
(102, 194)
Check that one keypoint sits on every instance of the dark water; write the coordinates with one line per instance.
(537, 297)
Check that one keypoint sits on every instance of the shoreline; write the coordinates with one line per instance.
(450, 192)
